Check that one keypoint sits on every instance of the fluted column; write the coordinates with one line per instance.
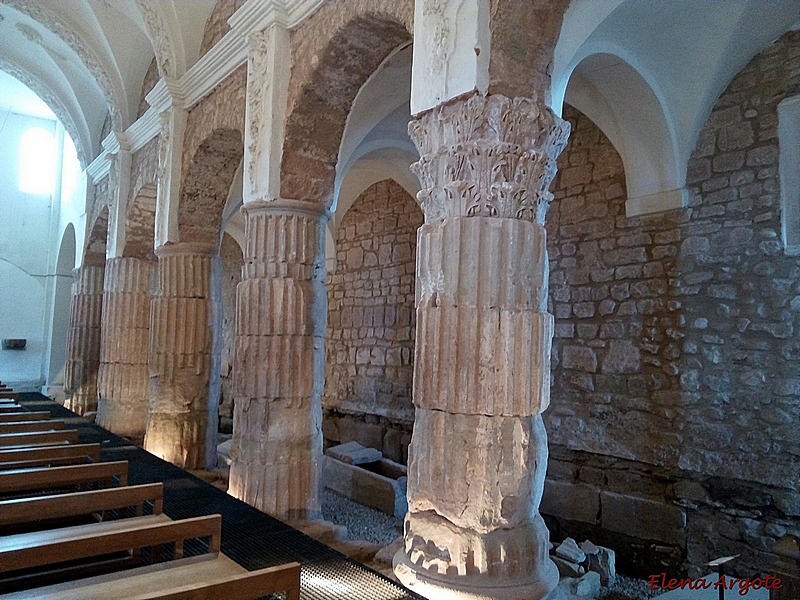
(83, 339)
(123, 378)
(478, 456)
(279, 365)
(180, 355)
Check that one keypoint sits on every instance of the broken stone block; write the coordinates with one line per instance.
(567, 568)
(360, 457)
(570, 551)
(354, 453)
(586, 586)
(603, 563)
(589, 548)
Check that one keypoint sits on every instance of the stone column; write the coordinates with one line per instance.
(180, 355)
(123, 377)
(478, 456)
(83, 339)
(279, 365)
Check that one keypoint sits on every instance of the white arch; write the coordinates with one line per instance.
(615, 96)
(685, 51)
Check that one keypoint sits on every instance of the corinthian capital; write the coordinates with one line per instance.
(488, 156)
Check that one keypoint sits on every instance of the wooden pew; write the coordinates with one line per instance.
(39, 438)
(24, 511)
(53, 478)
(28, 426)
(198, 578)
(8, 408)
(13, 417)
(9, 395)
(65, 454)
(50, 547)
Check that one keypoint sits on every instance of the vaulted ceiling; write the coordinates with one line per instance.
(87, 58)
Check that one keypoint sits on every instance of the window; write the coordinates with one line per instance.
(37, 162)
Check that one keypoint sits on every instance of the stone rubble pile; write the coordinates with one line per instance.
(583, 568)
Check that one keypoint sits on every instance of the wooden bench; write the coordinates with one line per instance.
(64, 454)
(27, 426)
(13, 417)
(39, 438)
(7, 408)
(23, 511)
(50, 547)
(198, 578)
(55, 478)
(7, 395)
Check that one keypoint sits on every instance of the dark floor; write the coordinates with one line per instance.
(249, 536)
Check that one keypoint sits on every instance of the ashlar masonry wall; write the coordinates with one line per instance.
(676, 395)
(371, 320)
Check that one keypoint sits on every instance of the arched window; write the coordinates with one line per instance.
(37, 162)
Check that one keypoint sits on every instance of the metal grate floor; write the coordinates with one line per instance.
(250, 537)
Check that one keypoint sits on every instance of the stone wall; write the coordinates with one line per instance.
(151, 78)
(371, 320)
(675, 398)
(222, 109)
(140, 216)
(217, 24)
(144, 166)
(334, 52)
(212, 151)
(231, 261)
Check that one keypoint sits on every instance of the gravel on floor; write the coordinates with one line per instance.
(362, 522)
(626, 588)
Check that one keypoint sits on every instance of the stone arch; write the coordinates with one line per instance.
(217, 23)
(95, 250)
(371, 324)
(140, 222)
(333, 54)
(206, 184)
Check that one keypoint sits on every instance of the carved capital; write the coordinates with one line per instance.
(488, 156)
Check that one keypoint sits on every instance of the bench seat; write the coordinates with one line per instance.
(208, 577)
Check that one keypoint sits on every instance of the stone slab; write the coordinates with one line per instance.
(570, 501)
(643, 518)
(354, 453)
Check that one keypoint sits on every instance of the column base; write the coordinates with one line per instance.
(455, 587)
(443, 561)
